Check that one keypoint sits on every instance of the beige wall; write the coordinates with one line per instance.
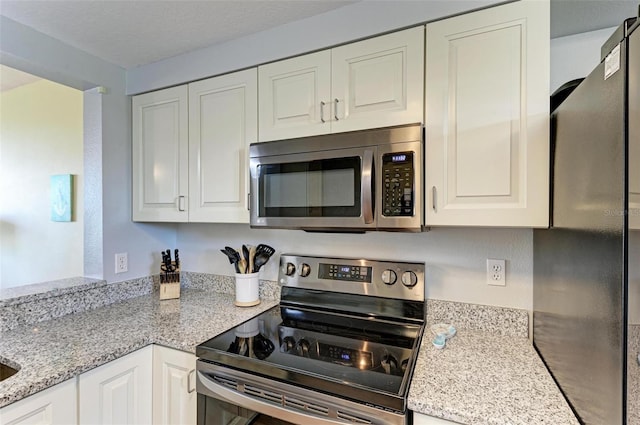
(40, 135)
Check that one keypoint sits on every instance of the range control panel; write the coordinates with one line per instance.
(397, 184)
(344, 272)
(400, 280)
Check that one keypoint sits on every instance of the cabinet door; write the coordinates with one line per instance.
(118, 392)
(54, 406)
(294, 97)
(222, 123)
(160, 156)
(174, 389)
(378, 82)
(487, 117)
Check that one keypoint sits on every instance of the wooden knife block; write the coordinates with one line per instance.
(170, 285)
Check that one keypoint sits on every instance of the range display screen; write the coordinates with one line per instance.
(344, 272)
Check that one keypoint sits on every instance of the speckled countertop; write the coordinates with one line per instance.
(53, 351)
(485, 378)
(488, 373)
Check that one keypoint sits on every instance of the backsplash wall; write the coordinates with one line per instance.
(455, 258)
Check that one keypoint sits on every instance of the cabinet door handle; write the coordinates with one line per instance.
(189, 389)
(322, 112)
(180, 203)
(434, 198)
(335, 108)
(248, 202)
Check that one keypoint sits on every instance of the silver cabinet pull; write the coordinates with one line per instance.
(367, 195)
(322, 112)
(180, 203)
(189, 389)
(434, 198)
(335, 110)
(248, 201)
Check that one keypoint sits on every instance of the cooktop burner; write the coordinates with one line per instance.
(328, 340)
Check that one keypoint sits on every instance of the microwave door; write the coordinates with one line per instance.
(313, 191)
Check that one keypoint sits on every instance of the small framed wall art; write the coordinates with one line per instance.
(62, 197)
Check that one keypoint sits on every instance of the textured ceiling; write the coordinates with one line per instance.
(576, 16)
(136, 32)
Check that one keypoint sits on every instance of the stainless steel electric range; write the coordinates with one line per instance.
(339, 348)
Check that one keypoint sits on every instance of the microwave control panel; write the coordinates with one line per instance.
(397, 184)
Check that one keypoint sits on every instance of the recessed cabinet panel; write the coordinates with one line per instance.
(291, 92)
(378, 82)
(224, 112)
(160, 162)
(53, 406)
(174, 394)
(222, 124)
(118, 392)
(486, 109)
(161, 155)
(487, 117)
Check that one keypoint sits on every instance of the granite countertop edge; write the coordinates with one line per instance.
(51, 352)
(439, 387)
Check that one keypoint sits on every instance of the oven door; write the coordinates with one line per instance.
(228, 396)
(326, 190)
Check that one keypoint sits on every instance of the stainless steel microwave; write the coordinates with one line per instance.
(349, 182)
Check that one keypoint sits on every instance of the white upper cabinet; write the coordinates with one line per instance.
(372, 83)
(378, 82)
(190, 150)
(487, 117)
(294, 97)
(222, 123)
(160, 155)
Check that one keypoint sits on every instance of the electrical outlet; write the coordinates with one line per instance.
(496, 272)
(122, 263)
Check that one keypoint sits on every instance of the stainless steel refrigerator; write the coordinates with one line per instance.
(586, 289)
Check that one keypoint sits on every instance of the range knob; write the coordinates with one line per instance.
(303, 347)
(389, 277)
(290, 269)
(288, 343)
(305, 269)
(409, 279)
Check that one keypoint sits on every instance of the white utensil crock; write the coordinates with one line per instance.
(247, 289)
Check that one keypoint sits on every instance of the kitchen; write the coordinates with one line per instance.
(455, 256)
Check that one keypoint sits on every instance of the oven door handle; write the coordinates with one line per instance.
(251, 403)
(367, 186)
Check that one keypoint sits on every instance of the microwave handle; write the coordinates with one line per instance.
(367, 187)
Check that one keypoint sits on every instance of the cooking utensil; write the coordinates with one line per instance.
(262, 248)
(234, 257)
(263, 253)
(252, 256)
(245, 256)
(242, 266)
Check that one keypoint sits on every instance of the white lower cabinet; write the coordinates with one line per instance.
(420, 419)
(54, 406)
(154, 385)
(174, 387)
(118, 392)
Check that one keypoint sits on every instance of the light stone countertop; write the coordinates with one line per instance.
(485, 375)
(484, 378)
(53, 351)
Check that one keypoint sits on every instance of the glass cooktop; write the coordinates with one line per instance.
(323, 351)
